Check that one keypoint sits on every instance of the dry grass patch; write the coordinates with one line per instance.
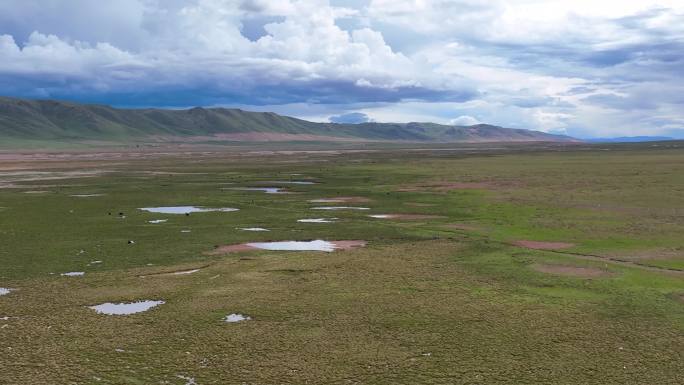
(571, 271)
(416, 204)
(650, 254)
(445, 186)
(403, 312)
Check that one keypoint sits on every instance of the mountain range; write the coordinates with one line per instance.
(50, 120)
(630, 139)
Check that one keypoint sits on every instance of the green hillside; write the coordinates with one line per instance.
(49, 120)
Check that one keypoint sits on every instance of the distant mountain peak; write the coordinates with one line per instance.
(630, 139)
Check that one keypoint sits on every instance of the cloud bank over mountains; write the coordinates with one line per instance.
(584, 68)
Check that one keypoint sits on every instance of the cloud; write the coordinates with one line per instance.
(464, 120)
(352, 118)
(581, 66)
(60, 63)
(256, 52)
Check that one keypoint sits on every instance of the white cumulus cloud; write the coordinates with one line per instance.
(584, 67)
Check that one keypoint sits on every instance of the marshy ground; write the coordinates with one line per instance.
(559, 265)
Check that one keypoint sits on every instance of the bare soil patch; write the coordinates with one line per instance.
(10, 179)
(256, 137)
(348, 245)
(571, 271)
(538, 245)
(227, 249)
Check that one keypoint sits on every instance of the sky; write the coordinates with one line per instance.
(583, 68)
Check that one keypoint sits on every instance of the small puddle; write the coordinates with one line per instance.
(125, 308)
(5, 291)
(407, 216)
(177, 272)
(317, 220)
(267, 190)
(235, 317)
(253, 229)
(186, 272)
(340, 208)
(73, 274)
(315, 245)
(185, 209)
(155, 221)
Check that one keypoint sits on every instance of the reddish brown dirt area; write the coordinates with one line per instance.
(537, 245)
(571, 271)
(342, 200)
(231, 249)
(347, 245)
(256, 137)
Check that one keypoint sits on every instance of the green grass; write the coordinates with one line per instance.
(422, 303)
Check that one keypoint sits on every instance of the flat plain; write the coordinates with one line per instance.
(478, 264)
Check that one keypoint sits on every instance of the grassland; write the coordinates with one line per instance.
(444, 300)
